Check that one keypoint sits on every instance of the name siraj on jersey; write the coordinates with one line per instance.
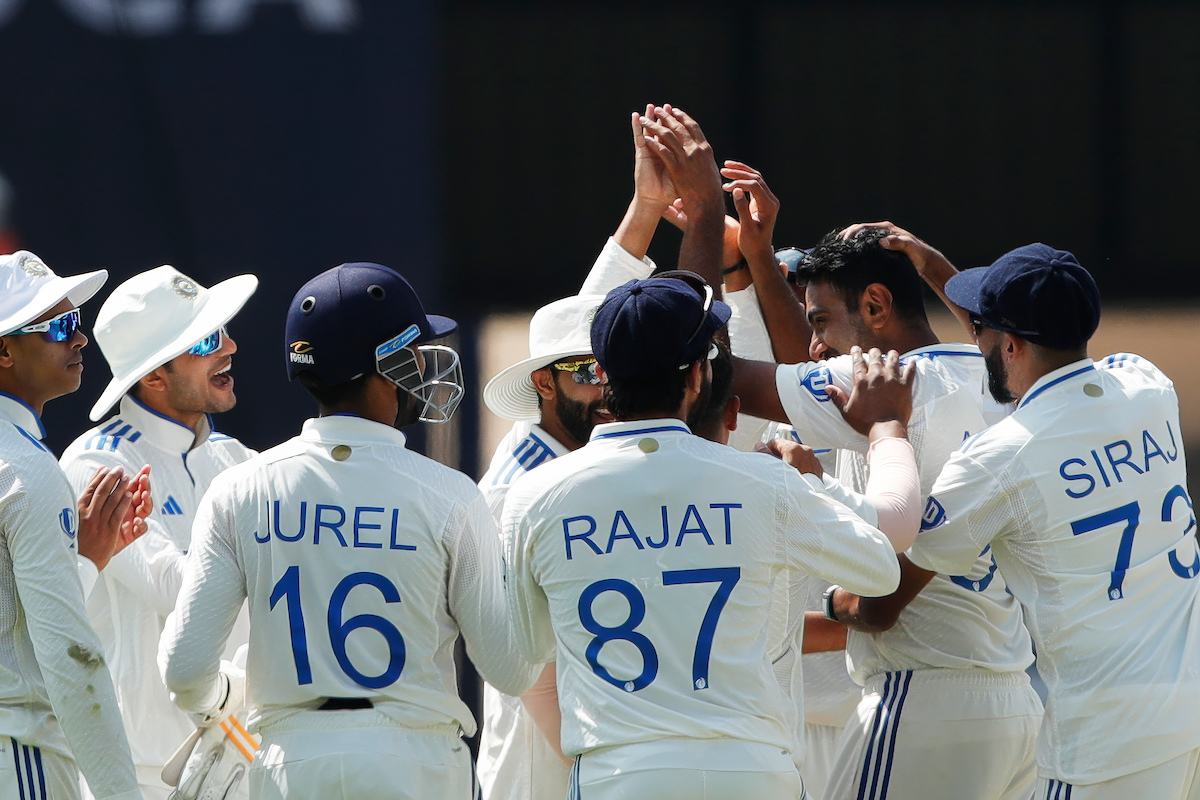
(361, 526)
(657, 531)
(1116, 461)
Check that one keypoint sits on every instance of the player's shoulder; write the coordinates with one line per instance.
(1133, 369)
(107, 442)
(228, 448)
(525, 447)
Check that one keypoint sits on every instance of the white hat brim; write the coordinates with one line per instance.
(219, 305)
(511, 395)
(78, 289)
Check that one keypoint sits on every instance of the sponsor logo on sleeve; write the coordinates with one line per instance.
(934, 515)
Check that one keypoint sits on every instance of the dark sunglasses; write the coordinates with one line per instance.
(583, 370)
(977, 326)
(57, 329)
(209, 344)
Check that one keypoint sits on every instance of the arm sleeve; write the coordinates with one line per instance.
(88, 574)
(892, 501)
(69, 653)
(961, 517)
(210, 598)
(541, 701)
(830, 541)
(528, 606)
(476, 594)
(614, 266)
(152, 566)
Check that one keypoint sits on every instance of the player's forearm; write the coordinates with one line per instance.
(822, 635)
(878, 614)
(936, 272)
(637, 227)
(894, 487)
(700, 251)
(151, 568)
(786, 324)
(541, 701)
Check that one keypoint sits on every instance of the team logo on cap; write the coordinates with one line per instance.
(34, 267)
(301, 353)
(184, 287)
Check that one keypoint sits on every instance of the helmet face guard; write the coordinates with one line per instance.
(439, 387)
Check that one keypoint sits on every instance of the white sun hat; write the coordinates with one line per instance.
(154, 317)
(558, 330)
(28, 289)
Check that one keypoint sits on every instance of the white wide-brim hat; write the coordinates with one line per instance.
(557, 331)
(29, 288)
(154, 317)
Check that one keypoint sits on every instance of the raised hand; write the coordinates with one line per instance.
(679, 143)
(881, 394)
(103, 507)
(757, 208)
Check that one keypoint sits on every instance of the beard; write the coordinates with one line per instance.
(576, 417)
(998, 377)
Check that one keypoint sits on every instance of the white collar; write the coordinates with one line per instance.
(161, 430)
(1084, 366)
(350, 429)
(15, 410)
(617, 430)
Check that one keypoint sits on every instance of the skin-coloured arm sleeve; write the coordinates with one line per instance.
(69, 654)
(477, 599)
(528, 606)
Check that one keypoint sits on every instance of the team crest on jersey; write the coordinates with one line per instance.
(934, 514)
(184, 287)
(66, 521)
(816, 381)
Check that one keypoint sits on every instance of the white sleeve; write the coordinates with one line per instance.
(748, 336)
(528, 606)
(152, 566)
(962, 516)
(830, 541)
(614, 266)
(88, 574)
(69, 654)
(817, 421)
(213, 590)
(477, 602)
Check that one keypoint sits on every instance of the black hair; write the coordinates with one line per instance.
(329, 397)
(706, 420)
(657, 395)
(849, 267)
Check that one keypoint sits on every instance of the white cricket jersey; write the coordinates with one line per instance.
(137, 590)
(958, 621)
(654, 567)
(55, 690)
(1081, 494)
(515, 761)
(363, 562)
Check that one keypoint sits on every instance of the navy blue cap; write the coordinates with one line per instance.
(338, 318)
(1036, 292)
(646, 327)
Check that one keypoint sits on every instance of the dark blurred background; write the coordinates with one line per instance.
(483, 149)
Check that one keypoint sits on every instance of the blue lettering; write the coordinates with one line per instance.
(1114, 462)
(684, 529)
(1081, 476)
(303, 517)
(336, 527)
(262, 539)
(1103, 475)
(1174, 455)
(585, 536)
(620, 518)
(728, 526)
(666, 536)
(1151, 449)
(359, 525)
(392, 543)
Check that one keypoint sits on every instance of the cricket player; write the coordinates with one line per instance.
(165, 341)
(58, 710)
(649, 562)
(362, 562)
(1081, 495)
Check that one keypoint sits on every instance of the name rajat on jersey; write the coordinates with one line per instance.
(640, 532)
(371, 527)
(1117, 461)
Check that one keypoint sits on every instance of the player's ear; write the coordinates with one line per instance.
(6, 359)
(732, 408)
(875, 305)
(155, 381)
(543, 382)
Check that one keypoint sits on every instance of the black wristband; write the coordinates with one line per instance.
(730, 270)
(829, 615)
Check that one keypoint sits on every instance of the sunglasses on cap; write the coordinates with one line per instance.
(713, 352)
(701, 288)
(977, 326)
(209, 344)
(56, 329)
(583, 370)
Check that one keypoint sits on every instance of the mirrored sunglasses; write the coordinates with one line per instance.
(583, 370)
(713, 352)
(57, 329)
(209, 344)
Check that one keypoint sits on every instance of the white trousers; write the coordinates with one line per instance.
(940, 734)
(822, 742)
(1177, 779)
(33, 773)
